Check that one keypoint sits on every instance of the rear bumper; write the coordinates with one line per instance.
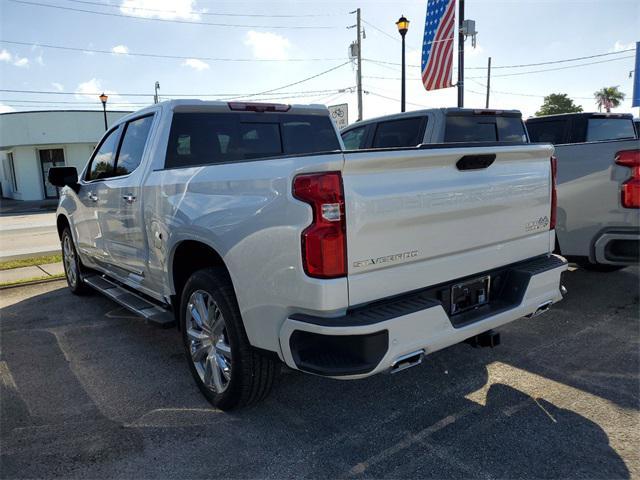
(370, 339)
(617, 247)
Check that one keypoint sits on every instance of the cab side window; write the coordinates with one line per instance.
(354, 139)
(103, 161)
(405, 132)
(134, 139)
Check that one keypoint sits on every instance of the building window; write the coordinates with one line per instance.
(10, 171)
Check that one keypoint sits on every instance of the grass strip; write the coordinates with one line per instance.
(29, 262)
(31, 280)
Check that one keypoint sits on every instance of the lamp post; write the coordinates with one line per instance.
(103, 99)
(403, 27)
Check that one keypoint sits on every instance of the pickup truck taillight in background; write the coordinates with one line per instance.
(554, 193)
(630, 192)
(324, 250)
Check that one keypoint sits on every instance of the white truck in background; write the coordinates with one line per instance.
(252, 227)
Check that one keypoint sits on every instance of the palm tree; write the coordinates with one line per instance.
(608, 97)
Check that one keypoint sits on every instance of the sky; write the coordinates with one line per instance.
(277, 43)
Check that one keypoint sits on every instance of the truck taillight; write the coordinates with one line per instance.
(554, 192)
(324, 249)
(630, 194)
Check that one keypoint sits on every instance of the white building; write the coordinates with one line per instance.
(32, 142)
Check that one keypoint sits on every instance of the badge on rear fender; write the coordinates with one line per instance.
(541, 224)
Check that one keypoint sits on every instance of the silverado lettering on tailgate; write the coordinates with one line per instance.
(386, 259)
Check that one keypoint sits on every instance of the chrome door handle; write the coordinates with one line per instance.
(92, 196)
(129, 198)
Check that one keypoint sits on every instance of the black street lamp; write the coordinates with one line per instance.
(403, 28)
(103, 99)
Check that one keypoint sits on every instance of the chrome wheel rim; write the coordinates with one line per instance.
(69, 256)
(208, 341)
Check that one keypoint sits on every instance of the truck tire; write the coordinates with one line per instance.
(599, 267)
(228, 371)
(72, 264)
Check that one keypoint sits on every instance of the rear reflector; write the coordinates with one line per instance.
(630, 192)
(324, 249)
(554, 193)
(259, 107)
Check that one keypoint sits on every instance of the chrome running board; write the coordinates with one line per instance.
(152, 312)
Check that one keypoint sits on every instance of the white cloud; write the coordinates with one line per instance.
(120, 49)
(267, 45)
(21, 61)
(39, 60)
(58, 86)
(196, 64)
(619, 46)
(6, 108)
(165, 9)
(91, 89)
(8, 57)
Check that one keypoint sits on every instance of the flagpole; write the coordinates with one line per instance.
(460, 54)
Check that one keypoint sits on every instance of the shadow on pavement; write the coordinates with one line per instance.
(98, 393)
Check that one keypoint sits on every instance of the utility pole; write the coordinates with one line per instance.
(488, 81)
(460, 54)
(156, 87)
(359, 73)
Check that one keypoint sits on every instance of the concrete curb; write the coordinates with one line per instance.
(32, 282)
(20, 256)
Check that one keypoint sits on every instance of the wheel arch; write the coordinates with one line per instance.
(189, 256)
(62, 222)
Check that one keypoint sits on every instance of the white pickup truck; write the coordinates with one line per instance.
(253, 228)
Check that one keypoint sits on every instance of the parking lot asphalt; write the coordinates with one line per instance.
(89, 390)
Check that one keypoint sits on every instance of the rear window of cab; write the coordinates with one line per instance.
(210, 138)
(484, 128)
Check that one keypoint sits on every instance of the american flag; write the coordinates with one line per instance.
(437, 46)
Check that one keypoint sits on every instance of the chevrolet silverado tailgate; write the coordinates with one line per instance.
(420, 217)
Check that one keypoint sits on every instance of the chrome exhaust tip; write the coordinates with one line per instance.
(541, 309)
(407, 361)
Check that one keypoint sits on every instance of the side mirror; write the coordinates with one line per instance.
(64, 176)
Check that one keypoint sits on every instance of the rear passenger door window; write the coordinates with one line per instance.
(132, 147)
(405, 132)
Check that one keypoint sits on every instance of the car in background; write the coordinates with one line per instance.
(598, 161)
(436, 125)
(636, 122)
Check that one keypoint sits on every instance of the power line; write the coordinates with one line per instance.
(382, 31)
(530, 71)
(14, 101)
(211, 14)
(394, 99)
(300, 81)
(557, 68)
(551, 62)
(158, 55)
(520, 94)
(110, 14)
(561, 61)
(190, 95)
